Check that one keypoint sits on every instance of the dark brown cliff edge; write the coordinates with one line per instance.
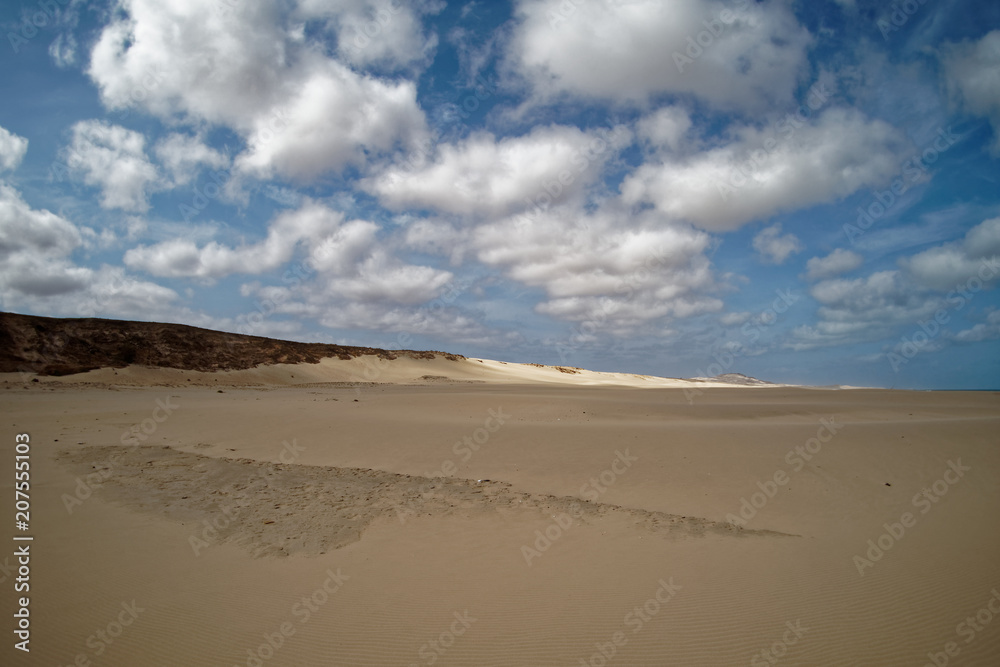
(63, 346)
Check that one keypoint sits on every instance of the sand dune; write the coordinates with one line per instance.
(91, 350)
(365, 370)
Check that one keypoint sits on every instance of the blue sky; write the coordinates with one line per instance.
(803, 192)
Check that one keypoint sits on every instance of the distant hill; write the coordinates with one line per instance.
(57, 346)
(735, 378)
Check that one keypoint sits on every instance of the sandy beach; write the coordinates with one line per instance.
(456, 513)
(518, 333)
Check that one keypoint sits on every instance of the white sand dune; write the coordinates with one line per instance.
(370, 368)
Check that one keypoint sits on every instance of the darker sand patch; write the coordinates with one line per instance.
(276, 509)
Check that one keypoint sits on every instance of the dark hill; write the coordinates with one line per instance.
(57, 346)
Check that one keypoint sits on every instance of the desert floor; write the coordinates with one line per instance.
(208, 523)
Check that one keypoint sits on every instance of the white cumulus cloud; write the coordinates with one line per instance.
(182, 155)
(34, 246)
(765, 172)
(183, 258)
(756, 56)
(333, 119)
(378, 33)
(972, 70)
(665, 127)
(837, 262)
(775, 248)
(112, 158)
(300, 112)
(611, 268)
(486, 176)
(38, 272)
(946, 266)
(339, 258)
(12, 149)
(864, 309)
(988, 330)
